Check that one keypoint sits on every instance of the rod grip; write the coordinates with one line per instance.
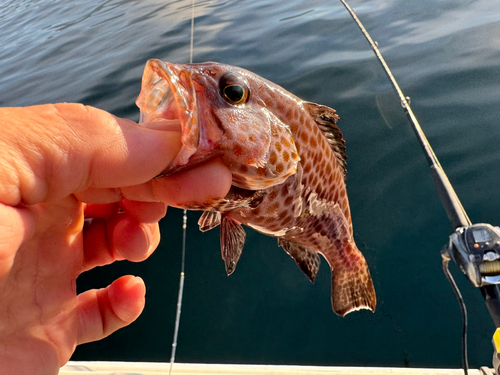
(451, 203)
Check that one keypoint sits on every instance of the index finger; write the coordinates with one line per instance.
(48, 152)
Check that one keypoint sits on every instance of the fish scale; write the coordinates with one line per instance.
(288, 163)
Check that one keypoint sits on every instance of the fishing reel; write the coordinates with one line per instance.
(476, 251)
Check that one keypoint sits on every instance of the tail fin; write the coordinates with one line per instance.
(352, 285)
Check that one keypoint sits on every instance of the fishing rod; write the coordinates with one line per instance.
(475, 248)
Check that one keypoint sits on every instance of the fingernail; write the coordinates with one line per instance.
(148, 234)
(133, 280)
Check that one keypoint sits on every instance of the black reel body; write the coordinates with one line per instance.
(476, 251)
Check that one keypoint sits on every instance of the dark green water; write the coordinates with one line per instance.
(445, 55)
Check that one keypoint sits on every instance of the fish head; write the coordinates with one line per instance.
(223, 112)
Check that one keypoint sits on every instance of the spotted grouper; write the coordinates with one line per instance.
(288, 163)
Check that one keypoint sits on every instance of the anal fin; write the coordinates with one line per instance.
(232, 239)
(307, 260)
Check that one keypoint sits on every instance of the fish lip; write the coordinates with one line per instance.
(168, 98)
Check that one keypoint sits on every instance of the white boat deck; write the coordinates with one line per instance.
(148, 368)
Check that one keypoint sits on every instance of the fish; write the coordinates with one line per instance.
(288, 163)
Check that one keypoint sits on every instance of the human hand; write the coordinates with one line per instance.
(53, 158)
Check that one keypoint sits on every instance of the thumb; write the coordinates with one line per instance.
(50, 151)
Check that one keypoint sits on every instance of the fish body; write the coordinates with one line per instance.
(288, 163)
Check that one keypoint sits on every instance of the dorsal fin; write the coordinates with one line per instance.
(327, 118)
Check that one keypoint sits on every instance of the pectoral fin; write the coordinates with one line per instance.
(307, 260)
(232, 239)
(209, 220)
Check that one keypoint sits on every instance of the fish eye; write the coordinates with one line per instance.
(233, 89)
(234, 93)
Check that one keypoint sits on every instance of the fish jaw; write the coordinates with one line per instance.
(168, 94)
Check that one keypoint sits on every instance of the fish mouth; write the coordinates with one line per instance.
(168, 102)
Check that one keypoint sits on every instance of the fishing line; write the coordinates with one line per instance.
(454, 209)
(181, 292)
(192, 37)
(444, 264)
(184, 230)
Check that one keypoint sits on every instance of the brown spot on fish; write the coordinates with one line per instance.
(273, 158)
(314, 180)
(259, 219)
(238, 150)
(313, 142)
(283, 215)
(269, 221)
(272, 209)
(330, 169)
(307, 167)
(304, 137)
(286, 156)
(285, 142)
(272, 195)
